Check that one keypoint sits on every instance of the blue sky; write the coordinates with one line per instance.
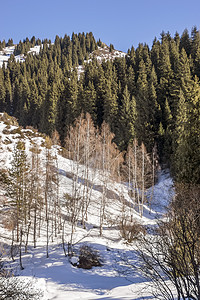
(123, 23)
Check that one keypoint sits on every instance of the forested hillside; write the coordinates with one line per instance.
(91, 187)
(151, 94)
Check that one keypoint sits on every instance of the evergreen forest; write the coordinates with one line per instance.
(151, 94)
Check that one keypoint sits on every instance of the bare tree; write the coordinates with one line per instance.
(18, 289)
(140, 174)
(74, 153)
(109, 159)
(48, 190)
(173, 253)
(81, 149)
(36, 190)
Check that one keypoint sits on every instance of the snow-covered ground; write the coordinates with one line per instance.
(104, 54)
(7, 51)
(100, 54)
(118, 277)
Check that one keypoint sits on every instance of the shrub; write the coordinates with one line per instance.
(88, 258)
(131, 231)
(9, 120)
(16, 131)
(7, 141)
(19, 289)
(6, 131)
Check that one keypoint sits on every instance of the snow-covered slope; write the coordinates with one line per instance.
(105, 54)
(100, 54)
(7, 51)
(55, 275)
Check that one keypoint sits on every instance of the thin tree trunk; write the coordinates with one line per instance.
(27, 236)
(20, 250)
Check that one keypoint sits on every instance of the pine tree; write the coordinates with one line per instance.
(185, 42)
(24, 105)
(2, 92)
(100, 89)
(142, 104)
(131, 81)
(125, 131)
(35, 110)
(174, 55)
(187, 142)
(18, 175)
(110, 106)
(50, 110)
(8, 90)
(88, 100)
(155, 54)
(195, 41)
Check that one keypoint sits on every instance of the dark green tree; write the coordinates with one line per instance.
(187, 142)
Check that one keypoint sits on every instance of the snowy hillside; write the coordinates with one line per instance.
(56, 276)
(105, 54)
(100, 54)
(7, 51)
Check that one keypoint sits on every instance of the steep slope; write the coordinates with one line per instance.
(55, 275)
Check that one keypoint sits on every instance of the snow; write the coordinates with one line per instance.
(101, 54)
(56, 276)
(35, 50)
(7, 51)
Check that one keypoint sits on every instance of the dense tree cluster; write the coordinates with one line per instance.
(151, 94)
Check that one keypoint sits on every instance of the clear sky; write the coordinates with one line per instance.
(123, 23)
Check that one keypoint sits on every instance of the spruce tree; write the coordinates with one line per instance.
(185, 42)
(187, 142)
(88, 100)
(18, 175)
(110, 105)
(125, 126)
(2, 92)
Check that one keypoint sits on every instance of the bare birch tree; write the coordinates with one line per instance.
(140, 173)
(109, 159)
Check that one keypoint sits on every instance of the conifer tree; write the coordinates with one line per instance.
(131, 81)
(174, 55)
(88, 100)
(110, 105)
(185, 42)
(155, 54)
(125, 132)
(2, 92)
(195, 41)
(18, 175)
(142, 105)
(100, 88)
(50, 110)
(187, 142)
(8, 90)
(24, 103)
